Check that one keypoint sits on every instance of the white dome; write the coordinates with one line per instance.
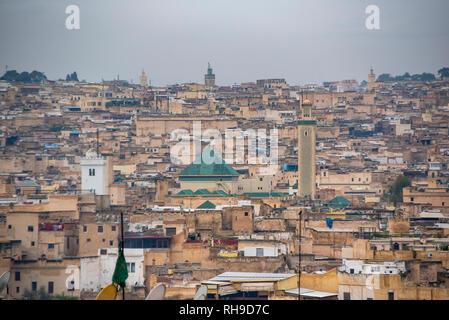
(92, 154)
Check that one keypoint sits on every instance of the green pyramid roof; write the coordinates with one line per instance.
(220, 192)
(207, 205)
(218, 167)
(339, 202)
(202, 191)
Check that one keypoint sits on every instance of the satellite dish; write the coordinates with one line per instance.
(4, 278)
(201, 293)
(108, 293)
(157, 293)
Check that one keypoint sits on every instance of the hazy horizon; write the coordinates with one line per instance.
(173, 40)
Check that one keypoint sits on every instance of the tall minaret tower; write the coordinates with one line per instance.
(143, 79)
(371, 79)
(209, 77)
(306, 151)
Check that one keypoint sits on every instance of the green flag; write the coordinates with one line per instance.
(121, 271)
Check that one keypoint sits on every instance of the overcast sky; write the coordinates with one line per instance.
(303, 41)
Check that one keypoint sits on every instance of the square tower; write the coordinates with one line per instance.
(306, 152)
(209, 77)
(93, 173)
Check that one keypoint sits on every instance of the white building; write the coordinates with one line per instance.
(260, 252)
(93, 173)
(96, 272)
(359, 267)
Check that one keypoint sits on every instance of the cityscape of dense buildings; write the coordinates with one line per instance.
(347, 197)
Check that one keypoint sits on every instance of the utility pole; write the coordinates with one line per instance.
(299, 254)
(123, 247)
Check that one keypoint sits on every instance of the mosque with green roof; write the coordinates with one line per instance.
(209, 174)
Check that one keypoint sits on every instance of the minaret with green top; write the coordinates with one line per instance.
(209, 77)
(306, 152)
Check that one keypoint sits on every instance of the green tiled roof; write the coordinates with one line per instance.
(207, 205)
(220, 192)
(218, 167)
(266, 194)
(306, 122)
(185, 192)
(202, 191)
(339, 202)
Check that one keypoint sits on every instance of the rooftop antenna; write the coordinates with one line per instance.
(157, 293)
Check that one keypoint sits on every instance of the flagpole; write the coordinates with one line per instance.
(123, 246)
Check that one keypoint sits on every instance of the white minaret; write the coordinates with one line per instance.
(93, 173)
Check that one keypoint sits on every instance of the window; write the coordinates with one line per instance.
(51, 246)
(259, 252)
(412, 199)
(17, 276)
(111, 242)
(351, 270)
(131, 267)
(84, 228)
(88, 239)
(50, 287)
(17, 289)
(390, 295)
(103, 240)
(346, 296)
(30, 228)
(100, 228)
(246, 213)
(34, 286)
(306, 133)
(170, 231)
(9, 226)
(92, 172)
(32, 243)
(103, 251)
(113, 228)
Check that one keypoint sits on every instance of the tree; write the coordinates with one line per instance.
(396, 189)
(444, 73)
(72, 77)
(10, 75)
(384, 77)
(14, 76)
